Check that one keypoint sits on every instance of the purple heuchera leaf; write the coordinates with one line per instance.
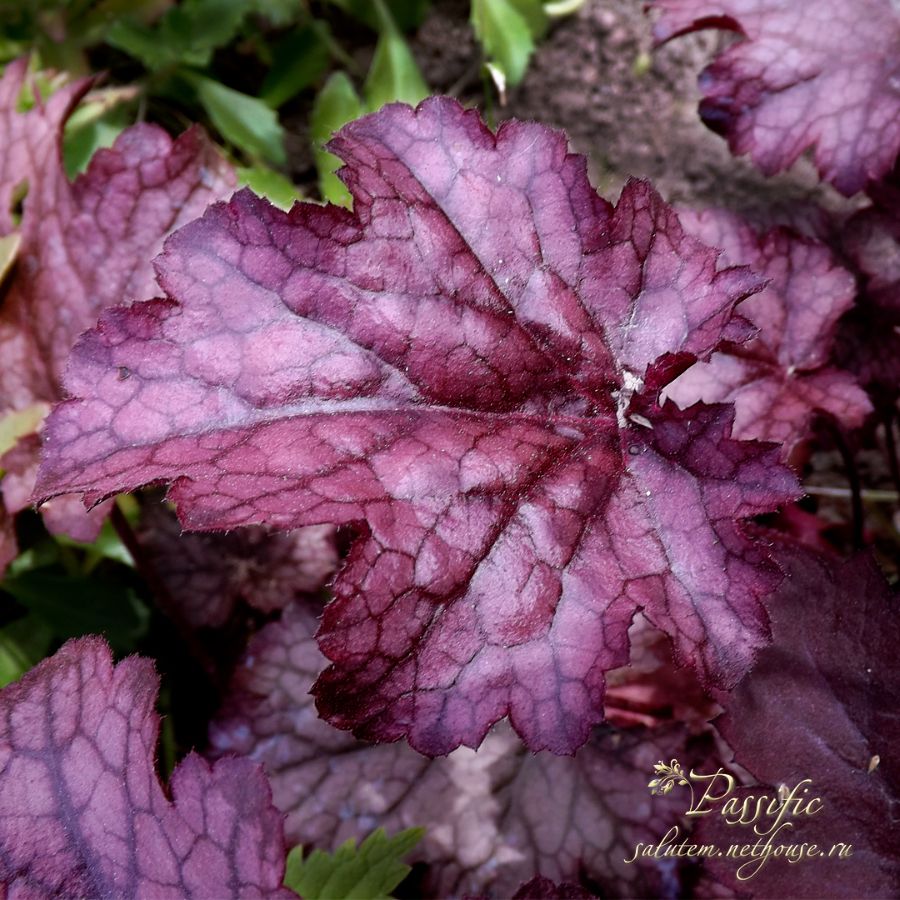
(456, 364)
(869, 337)
(206, 575)
(824, 75)
(540, 888)
(82, 812)
(488, 823)
(85, 245)
(829, 691)
(783, 377)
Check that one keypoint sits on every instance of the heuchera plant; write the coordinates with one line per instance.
(81, 246)
(547, 428)
(469, 363)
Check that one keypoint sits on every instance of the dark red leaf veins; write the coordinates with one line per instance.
(822, 75)
(457, 364)
(82, 812)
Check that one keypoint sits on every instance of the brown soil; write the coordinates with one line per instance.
(630, 110)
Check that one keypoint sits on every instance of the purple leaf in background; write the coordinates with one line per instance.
(540, 888)
(869, 337)
(456, 364)
(85, 245)
(829, 690)
(82, 812)
(823, 75)
(489, 821)
(207, 574)
(780, 379)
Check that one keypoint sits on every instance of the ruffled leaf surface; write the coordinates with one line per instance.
(492, 818)
(84, 245)
(82, 811)
(206, 575)
(823, 75)
(456, 369)
(784, 376)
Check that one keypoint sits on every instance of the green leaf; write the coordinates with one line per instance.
(393, 74)
(20, 422)
(242, 120)
(72, 607)
(108, 545)
(23, 644)
(187, 34)
(506, 30)
(407, 14)
(268, 183)
(96, 123)
(369, 872)
(298, 61)
(336, 104)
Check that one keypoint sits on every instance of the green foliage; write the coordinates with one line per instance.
(336, 104)
(507, 30)
(298, 61)
(368, 872)
(243, 120)
(266, 182)
(23, 644)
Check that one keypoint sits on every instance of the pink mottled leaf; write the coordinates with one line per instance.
(822, 75)
(206, 575)
(489, 825)
(82, 812)
(828, 689)
(455, 367)
(85, 245)
(782, 378)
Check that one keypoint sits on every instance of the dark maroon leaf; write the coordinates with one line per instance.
(456, 364)
(783, 377)
(207, 574)
(540, 888)
(822, 75)
(82, 812)
(869, 338)
(821, 703)
(84, 246)
(492, 818)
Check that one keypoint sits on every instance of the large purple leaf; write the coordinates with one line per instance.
(456, 364)
(206, 575)
(829, 689)
(783, 377)
(82, 812)
(488, 823)
(85, 245)
(824, 75)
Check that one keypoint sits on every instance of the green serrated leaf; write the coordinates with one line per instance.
(506, 30)
(96, 123)
(336, 104)
(368, 872)
(242, 120)
(268, 183)
(298, 61)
